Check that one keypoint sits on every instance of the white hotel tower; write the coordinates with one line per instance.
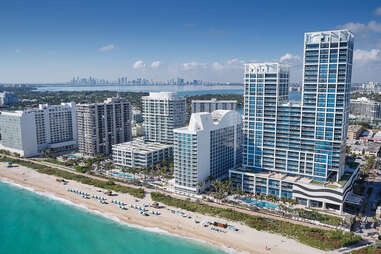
(206, 149)
(32, 131)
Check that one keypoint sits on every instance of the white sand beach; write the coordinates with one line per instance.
(246, 240)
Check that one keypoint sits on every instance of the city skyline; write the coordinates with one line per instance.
(172, 40)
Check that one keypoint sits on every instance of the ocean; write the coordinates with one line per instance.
(32, 223)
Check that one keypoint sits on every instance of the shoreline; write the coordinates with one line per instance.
(83, 208)
(246, 240)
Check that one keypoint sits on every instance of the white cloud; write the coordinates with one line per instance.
(357, 28)
(217, 66)
(289, 58)
(354, 27)
(377, 12)
(155, 64)
(365, 56)
(192, 65)
(374, 26)
(232, 64)
(18, 51)
(234, 61)
(139, 64)
(107, 48)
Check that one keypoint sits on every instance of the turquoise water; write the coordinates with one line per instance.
(73, 156)
(121, 174)
(30, 223)
(260, 203)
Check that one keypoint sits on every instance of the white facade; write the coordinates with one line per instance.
(212, 105)
(162, 112)
(32, 131)
(206, 149)
(139, 154)
(304, 190)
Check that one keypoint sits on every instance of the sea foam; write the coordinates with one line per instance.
(116, 219)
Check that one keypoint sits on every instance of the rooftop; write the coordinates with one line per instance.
(329, 36)
(210, 121)
(306, 180)
(213, 100)
(265, 68)
(161, 96)
(139, 145)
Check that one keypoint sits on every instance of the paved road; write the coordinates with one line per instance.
(146, 190)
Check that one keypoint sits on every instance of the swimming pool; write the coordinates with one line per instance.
(121, 174)
(260, 203)
(73, 156)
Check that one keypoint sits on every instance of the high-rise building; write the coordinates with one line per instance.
(101, 125)
(213, 104)
(8, 98)
(290, 147)
(162, 113)
(206, 149)
(32, 131)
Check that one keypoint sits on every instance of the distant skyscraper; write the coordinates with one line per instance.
(8, 98)
(101, 125)
(306, 140)
(163, 112)
(206, 149)
(32, 131)
(212, 105)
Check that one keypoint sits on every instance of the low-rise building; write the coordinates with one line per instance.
(357, 149)
(354, 131)
(212, 105)
(139, 153)
(369, 148)
(137, 130)
(304, 190)
(372, 149)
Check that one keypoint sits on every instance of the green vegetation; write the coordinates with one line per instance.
(317, 238)
(344, 179)
(33, 98)
(316, 182)
(367, 250)
(57, 97)
(368, 166)
(164, 168)
(323, 218)
(109, 185)
(82, 165)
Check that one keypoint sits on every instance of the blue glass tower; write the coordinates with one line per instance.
(306, 139)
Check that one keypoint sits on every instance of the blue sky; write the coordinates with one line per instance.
(51, 41)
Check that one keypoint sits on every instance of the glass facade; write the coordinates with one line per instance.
(307, 139)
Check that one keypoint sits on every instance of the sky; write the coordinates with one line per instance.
(52, 41)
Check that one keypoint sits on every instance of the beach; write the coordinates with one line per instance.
(246, 240)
